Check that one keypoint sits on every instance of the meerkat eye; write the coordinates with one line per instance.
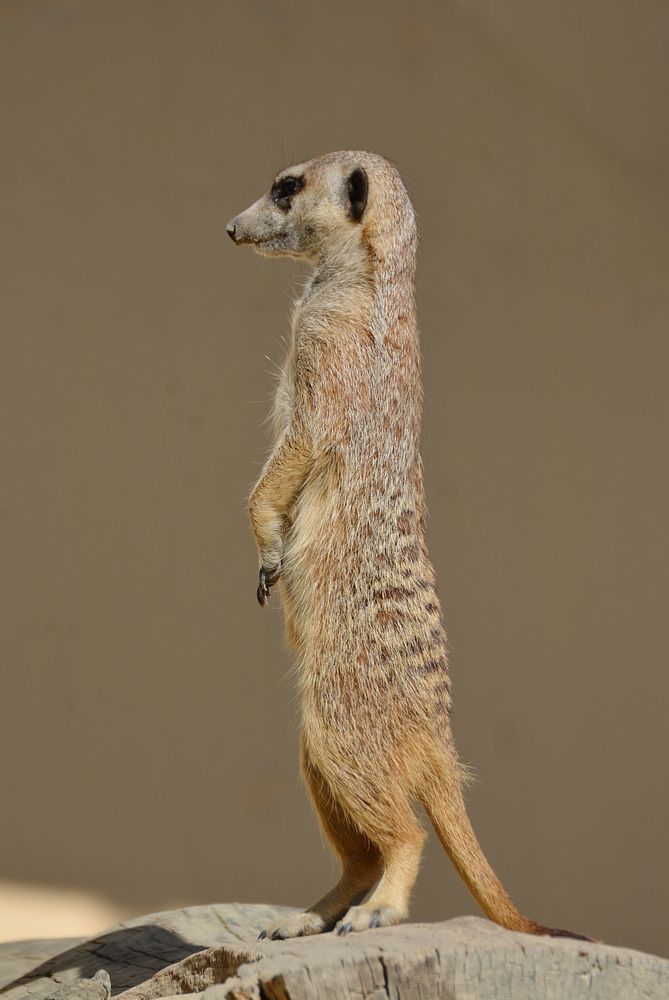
(284, 189)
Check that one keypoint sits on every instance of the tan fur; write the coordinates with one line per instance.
(339, 516)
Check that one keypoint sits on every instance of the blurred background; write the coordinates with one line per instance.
(148, 737)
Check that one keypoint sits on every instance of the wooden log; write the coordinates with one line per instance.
(212, 953)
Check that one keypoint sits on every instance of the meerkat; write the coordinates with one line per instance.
(338, 515)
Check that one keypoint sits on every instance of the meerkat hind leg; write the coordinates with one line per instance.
(360, 860)
(389, 903)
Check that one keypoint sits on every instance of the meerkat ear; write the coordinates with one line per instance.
(357, 186)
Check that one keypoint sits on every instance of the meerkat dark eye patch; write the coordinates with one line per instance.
(357, 186)
(284, 189)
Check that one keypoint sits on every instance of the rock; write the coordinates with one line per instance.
(212, 953)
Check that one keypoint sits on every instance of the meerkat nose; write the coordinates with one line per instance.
(231, 230)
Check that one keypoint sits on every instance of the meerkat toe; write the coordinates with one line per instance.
(294, 925)
(363, 918)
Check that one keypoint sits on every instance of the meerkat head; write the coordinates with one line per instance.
(316, 208)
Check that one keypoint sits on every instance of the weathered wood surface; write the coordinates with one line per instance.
(212, 953)
(131, 952)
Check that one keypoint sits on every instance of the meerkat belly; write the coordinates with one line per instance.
(361, 597)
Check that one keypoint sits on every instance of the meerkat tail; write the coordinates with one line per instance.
(445, 806)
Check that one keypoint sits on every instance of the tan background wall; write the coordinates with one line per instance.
(148, 736)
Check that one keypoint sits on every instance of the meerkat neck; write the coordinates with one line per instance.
(369, 275)
(347, 264)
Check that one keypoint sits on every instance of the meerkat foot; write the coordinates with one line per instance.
(268, 577)
(294, 925)
(363, 918)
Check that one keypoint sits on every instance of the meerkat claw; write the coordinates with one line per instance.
(262, 935)
(268, 577)
(343, 929)
(262, 593)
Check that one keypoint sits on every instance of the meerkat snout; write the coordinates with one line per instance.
(242, 229)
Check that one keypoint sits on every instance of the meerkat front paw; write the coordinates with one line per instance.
(268, 577)
(362, 918)
(295, 925)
